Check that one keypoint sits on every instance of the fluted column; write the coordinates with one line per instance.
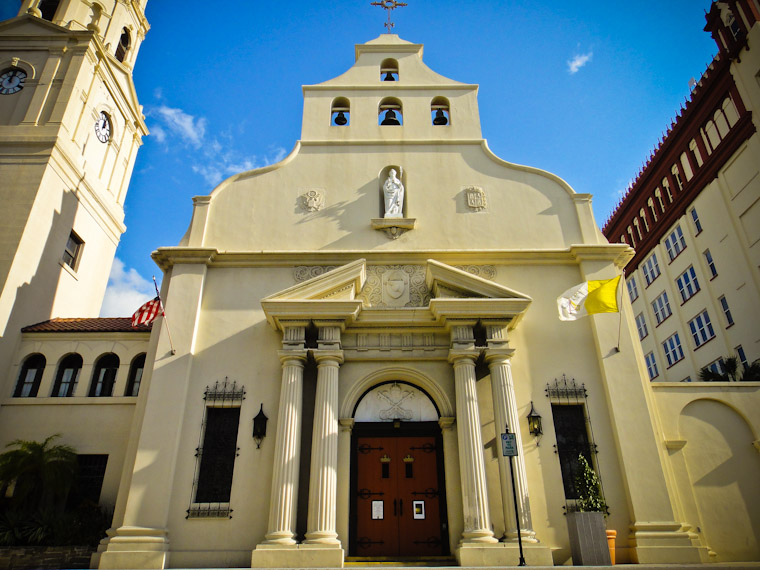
(324, 451)
(477, 520)
(505, 414)
(287, 452)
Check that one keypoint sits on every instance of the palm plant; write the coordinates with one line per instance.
(731, 372)
(42, 474)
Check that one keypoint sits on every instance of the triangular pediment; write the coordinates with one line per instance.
(447, 282)
(29, 26)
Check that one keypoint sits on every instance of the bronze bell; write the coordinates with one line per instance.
(390, 118)
(440, 118)
(340, 119)
(389, 77)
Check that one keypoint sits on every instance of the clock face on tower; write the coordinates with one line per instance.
(12, 81)
(103, 127)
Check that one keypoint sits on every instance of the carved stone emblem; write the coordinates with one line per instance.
(476, 198)
(395, 288)
(312, 200)
(395, 396)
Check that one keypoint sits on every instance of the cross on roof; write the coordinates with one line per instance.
(388, 5)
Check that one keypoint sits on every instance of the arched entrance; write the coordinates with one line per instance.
(398, 505)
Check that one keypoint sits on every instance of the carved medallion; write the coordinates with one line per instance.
(395, 288)
(476, 198)
(312, 200)
(395, 396)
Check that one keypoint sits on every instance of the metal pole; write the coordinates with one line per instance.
(517, 511)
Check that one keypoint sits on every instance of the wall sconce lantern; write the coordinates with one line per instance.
(260, 427)
(534, 424)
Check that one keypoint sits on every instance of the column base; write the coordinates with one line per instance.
(297, 556)
(135, 547)
(665, 543)
(502, 554)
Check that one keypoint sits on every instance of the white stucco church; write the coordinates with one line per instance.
(386, 295)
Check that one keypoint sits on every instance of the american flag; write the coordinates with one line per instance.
(147, 313)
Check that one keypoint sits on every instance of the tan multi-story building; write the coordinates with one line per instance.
(387, 295)
(693, 216)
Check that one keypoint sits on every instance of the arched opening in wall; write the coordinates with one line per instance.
(712, 134)
(686, 166)
(721, 123)
(392, 182)
(48, 8)
(67, 376)
(125, 42)
(389, 70)
(717, 472)
(30, 376)
(694, 149)
(398, 505)
(104, 375)
(390, 112)
(439, 110)
(340, 112)
(729, 109)
(135, 375)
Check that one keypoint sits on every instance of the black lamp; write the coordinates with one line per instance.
(534, 423)
(260, 427)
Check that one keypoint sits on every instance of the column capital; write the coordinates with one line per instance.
(457, 355)
(499, 354)
(288, 356)
(325, 356)
(446, 422)
(346, 424)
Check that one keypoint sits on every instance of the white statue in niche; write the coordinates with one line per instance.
(393, 191)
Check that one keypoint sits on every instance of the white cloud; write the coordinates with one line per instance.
(159, 133)
(579, 61)
(219, 163)
(127, 290)
(184, 125)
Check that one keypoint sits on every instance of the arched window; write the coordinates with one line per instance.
(124, 43)
(686, 166)
(721, 123)
(104, 375)
(729, 109)
(658, 195)
(650, 203)
(694, 148)
(389, 70)
(30, 376)
(677, 176)
(48, 9)
(390, 112)
(340, 113)
(67, 376)
(633, 240)
(638, 228)
(666, 185)
(439, 109)
(135, 375)
(712, 134)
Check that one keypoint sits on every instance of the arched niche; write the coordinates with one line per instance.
(340, 112)
(389, 70)
(390, 112)
(440, 112)
(382, 177)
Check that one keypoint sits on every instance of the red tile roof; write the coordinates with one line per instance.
(98, 325)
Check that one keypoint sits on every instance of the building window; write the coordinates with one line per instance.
(340, 114)
(89, 482)
(726, 311)
(687, 283)
(572, 441)
(677, 176)
(651, 366)
(695, 218)
(104, 376)
(641, 325)
(717, 366)
(390, 112)
(633, 290)
(673, 350)
(30, 376)
(651, 269)
(123, 47)
(48, 9)
(661, 307)
(135, 375)
(71, 253)
(675, 243)
(439, 111)
(389, 70)
(67, 376)
(742, 356)
(710, 264)
(701, 329)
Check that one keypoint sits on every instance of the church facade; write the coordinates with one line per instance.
(386, 297)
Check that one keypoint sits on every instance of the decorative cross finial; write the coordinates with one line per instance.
(388, 5)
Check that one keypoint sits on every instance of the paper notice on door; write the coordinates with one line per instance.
(377, 510)
(419, 509)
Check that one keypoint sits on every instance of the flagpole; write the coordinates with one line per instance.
(163, 313)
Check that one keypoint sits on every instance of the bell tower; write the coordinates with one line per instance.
(70, 129)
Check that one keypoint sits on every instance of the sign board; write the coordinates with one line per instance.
(377, 510)
(508, 445)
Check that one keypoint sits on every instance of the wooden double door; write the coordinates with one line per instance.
(399, 500)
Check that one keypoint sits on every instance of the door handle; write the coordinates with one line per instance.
(401, 507)
(394, 507)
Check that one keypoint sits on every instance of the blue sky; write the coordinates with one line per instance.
(581, 88)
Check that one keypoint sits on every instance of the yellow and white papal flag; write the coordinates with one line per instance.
(589, 298)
